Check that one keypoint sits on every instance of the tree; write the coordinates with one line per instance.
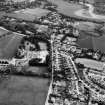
(84, 1)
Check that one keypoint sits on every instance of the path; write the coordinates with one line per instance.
(13, 32)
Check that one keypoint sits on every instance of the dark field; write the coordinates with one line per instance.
(19, 90)
(87, 41)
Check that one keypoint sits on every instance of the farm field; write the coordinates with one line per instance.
(21, 90)
(8, 45)
(28, 14)
(91, 42)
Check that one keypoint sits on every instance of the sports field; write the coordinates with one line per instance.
(9, 44)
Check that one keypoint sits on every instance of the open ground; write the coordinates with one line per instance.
(28, 14)
(9, 45)
(21, 90)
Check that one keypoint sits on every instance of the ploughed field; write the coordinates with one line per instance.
(8, 44)
(21, 90)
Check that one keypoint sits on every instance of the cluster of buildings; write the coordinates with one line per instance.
(73, 81)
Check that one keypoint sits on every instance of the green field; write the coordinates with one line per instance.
(28, 14)
(9, 45)
(21, 90)
(66, 8)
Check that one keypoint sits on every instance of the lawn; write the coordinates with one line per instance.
(92, 42)
(8, 45)
(21, 90)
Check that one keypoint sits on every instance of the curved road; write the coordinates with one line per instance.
(90, 13)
